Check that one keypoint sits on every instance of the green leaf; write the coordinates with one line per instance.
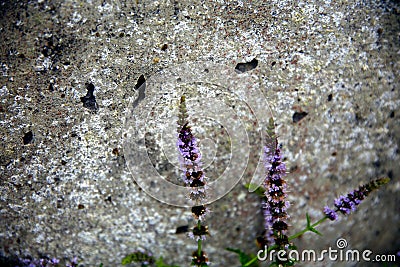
(259, 190)
(309, 226)
(308, 221)
(312, 229)
(243, 257)
(127, 259)
(138, 257)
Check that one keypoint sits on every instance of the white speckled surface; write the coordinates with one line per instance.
(69, 193)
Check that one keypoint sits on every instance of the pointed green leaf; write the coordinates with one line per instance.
(256, 189)
(312, 229)
(308, 221)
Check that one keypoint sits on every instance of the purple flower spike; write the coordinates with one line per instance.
(276, 205)
(190, 158)
(194, 179)
(347, 204)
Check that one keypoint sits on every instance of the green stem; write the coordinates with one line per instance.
(256, 258)
(199, 241)
(306, 229)
(251, 261)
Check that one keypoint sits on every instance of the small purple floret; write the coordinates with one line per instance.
(331, 214)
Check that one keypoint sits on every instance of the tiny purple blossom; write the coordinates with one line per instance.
(331, 214)
(200, 212)
(74, 260)
(199, 232)
(197, 237)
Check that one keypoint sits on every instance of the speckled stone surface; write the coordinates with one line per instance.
(69, 70)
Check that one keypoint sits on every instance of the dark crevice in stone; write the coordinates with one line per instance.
(89, 100)
(182, 229)
(243, 67)
(164, 47)
(141, 86)
(390, 174)
(298, 116)
(28, 138)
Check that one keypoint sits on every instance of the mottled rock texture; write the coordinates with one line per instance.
(330, 71)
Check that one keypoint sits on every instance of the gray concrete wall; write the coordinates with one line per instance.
(65, 188)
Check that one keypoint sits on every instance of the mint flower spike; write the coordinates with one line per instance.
(347, 204)
(190, 157)
(276, 205)
(195, 180)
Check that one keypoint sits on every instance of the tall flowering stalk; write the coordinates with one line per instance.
(276, 204)
(347, 204)
(194, 179)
